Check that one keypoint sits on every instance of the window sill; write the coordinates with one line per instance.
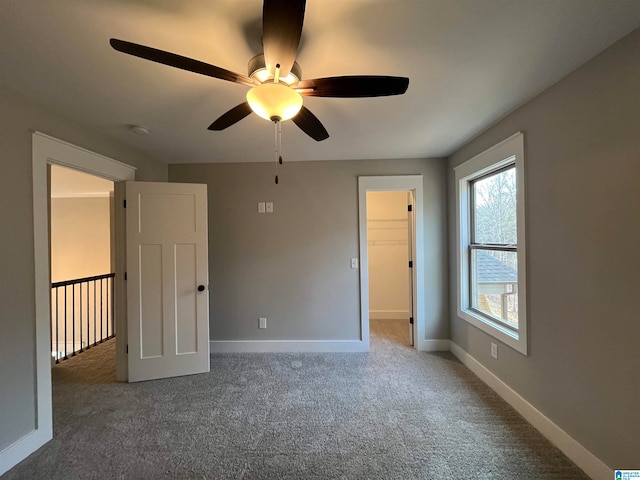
(515, 340)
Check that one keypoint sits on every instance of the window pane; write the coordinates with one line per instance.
(494, 208)
(494, 277)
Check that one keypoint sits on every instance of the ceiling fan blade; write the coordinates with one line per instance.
(281, 29)
(355, 86)
(309, 124)
(178, 61)
(232, 116)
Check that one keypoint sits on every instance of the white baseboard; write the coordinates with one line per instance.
(18, 451)
(583, 458)
(435, 346)
(287, 346)
(389, 315)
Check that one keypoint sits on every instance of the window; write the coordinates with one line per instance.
(490, 234)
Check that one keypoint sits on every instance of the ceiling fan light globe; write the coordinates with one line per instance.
(273, 100)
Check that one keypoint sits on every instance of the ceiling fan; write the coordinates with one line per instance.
(275, 77)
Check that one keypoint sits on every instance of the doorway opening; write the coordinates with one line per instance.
(399, 231)
(46, 151)
(390, 226)
(82, 262)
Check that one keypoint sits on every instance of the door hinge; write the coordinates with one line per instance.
(411, 320)
(410, 208)
(125, 203)
(410, 263)
(127, 348)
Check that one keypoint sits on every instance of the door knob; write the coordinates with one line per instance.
(201, 288)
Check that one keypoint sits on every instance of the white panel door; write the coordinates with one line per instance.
(167, 280)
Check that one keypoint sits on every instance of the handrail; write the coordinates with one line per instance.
(89, 310)
(81, 280)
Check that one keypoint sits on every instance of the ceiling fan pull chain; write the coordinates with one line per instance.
(276, 124)
(280, 143)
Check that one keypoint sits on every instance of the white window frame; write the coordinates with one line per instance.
(509, 151)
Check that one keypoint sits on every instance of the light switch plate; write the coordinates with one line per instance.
(269, 207)
(263, 322)
(261, 207)
(354, 263)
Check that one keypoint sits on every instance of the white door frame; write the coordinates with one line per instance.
(392, 183)
(48, 150)
(411, 253)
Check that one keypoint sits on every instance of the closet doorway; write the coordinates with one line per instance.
(392, 256)
(390, 227)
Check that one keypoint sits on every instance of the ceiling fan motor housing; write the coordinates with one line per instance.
(258, 71)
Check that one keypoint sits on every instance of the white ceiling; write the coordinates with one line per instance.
(470, 62)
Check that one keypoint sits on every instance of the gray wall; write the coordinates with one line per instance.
(292, 266)
(582, 153)
(18, 118)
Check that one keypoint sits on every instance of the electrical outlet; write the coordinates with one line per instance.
(263, 322)
(494, 350)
